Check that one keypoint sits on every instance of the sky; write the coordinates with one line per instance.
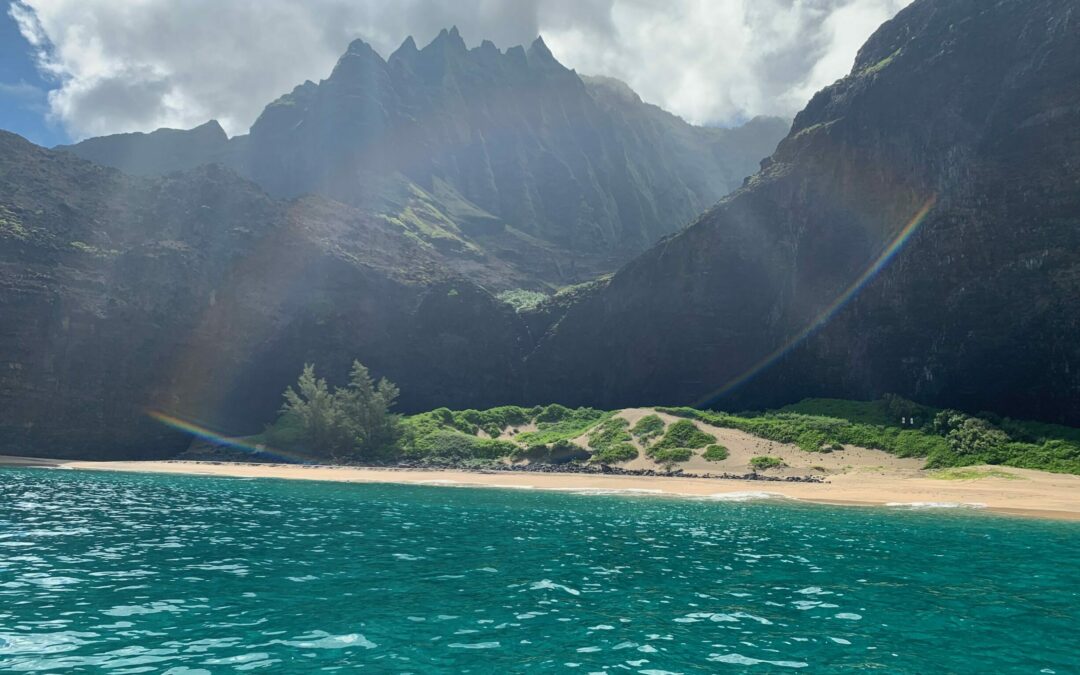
(70, 69)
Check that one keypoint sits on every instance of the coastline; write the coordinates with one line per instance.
(1028, 493)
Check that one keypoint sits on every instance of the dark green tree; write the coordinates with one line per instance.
(315, 410)
(365, 411)
(347, 423)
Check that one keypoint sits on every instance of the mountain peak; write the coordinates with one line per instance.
(408, 45)
(449, 40)
(210, 130)
(539, 52)
(357, 63)
(360, 48)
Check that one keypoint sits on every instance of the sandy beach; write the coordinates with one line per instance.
(1024, 492)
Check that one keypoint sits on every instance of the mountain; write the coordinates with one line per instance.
(563, 176)
(917, 232)
(199, 295)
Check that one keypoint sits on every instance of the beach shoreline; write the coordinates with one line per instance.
(1028, 493)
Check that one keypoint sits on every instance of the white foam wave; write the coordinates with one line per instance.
(744, 496)
(937, 505)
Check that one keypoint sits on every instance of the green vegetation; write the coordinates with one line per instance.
(614, 454)
(973, 474)
(557, 423)
(820, 433)
(670, 456)
(946, 438)
(417, 214)
(559, 452)
(763, 462)
(522, 300)
(354, 423)
(684, 434)
(344, 424)
(648, 428)
(445, 444)
(610, 442)
(10, 225)
(89, 249)
(444, 435)
(880, 65)
(715, 453)
(611, 431)
(679, 443)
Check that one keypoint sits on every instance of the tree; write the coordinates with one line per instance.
(365, 408)
(348, 423)
(315, 409)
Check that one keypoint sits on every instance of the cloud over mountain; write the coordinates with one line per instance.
(139, 66)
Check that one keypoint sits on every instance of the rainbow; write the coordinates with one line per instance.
(883, 259)
(199, 431)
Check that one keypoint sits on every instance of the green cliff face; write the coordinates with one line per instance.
(970, 109)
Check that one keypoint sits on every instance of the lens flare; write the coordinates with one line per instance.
(887, 254)
(199, 431)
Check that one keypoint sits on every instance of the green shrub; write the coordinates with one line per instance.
(611, 431)
(554, 413)
(684, 434)
(648, 428)
(815, 433)
(715, 453)
(670, 455)
(560, 452)
(762, 462)
(455, 445)
(522, 300)
(614, 454)
(556, 423)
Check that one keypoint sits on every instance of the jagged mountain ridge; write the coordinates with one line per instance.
(967, 107)
(511, 147)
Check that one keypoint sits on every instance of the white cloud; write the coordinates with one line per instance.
(125, 66)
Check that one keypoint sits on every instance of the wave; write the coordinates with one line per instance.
(937, 505)
(744, 496)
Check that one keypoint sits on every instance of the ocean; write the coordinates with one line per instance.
(142, 573)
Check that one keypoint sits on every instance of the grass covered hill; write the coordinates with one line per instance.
(814, 435)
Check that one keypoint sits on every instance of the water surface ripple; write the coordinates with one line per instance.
(181, 575)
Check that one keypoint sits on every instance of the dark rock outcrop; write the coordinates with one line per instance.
(817, 277)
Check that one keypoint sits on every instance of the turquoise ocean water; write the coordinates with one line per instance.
(172, 574)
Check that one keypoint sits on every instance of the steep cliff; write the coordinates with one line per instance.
(511, 148)
(918, 232)
(200, 296)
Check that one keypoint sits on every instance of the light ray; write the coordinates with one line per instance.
(887, 254)
(199, 431)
